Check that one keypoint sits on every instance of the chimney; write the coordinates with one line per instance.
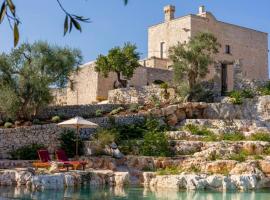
(201, 10)
(169, 12)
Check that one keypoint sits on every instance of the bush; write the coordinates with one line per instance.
(240, 157)
(8, 125)
(238, 96)
(260, 137)
(68, 143)
(133, 107)
(105, 137)
(246, 93)
(173, 170)
(201, 94)
(99, 113)
(130, 147)
(258, 157)
(265, 90)
(155, 144)
(36, 121)
(233, 136)
(117, 110)
(197, 130)
(56, 119)
(28, 152)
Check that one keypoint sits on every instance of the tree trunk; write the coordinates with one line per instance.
(192, 80)
(123, 83)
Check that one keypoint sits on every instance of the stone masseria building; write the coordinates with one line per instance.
(243, 53)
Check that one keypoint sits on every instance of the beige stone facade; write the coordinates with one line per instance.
(248, 46)
(242, 49)
(88, 86)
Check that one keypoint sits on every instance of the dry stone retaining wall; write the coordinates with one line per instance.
(85, 111)
(140, 95)
(48, 135)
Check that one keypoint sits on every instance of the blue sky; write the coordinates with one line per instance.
(114, 24)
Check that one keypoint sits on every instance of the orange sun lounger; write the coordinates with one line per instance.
(44, 158)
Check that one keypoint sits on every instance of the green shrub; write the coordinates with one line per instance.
(173, 170)
(266, 151)
(28, 152)
(155, 144)
(130, 147)
(116, 111)
(99, 113)
(246, 93)
(241, 156)
(260, 137)
(233, 136)
(36, 121)
(155, 101)
(258, 157)
(265, 90)
(8, 125)
(214, 156)
(236, 97)
(197, 130)
(201, 94)
(68, 140)
(105, 137)
(194, 168)
(133, 107)
(56, 119)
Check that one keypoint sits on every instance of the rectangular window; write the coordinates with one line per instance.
(228, 49)
(162, 50)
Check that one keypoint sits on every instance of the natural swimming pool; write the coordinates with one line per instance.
(132, 193)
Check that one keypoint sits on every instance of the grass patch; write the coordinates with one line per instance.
(197, 130)
(258, 157)
(194, 168)
(209, 136)
(214, 156)
(240, 157)
(233, 136)
(260, 137)
(173, 170)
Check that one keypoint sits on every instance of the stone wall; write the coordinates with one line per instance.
(12, 139)
(48, 135)
(140, 95)
(256, 109)
(66, 112)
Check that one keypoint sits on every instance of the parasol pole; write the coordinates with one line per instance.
(77, 142)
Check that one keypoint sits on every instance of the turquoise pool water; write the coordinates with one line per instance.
(128, 193)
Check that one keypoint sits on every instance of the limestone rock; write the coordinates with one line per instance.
(121, 178)
(220, 166)
(43, 182)
(23, 177)
(172, 120)
(8, 177)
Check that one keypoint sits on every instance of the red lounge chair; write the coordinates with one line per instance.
(62, 157)
(44, 158)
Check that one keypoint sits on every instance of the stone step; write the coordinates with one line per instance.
(223, 148)
(226, 126)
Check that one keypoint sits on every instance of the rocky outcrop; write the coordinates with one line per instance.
(203, 181)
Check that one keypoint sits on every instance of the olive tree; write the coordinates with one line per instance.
(28, 73)
(192, 59)
(122, 61)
